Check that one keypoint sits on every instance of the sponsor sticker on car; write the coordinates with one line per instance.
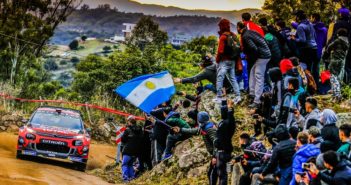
(75, 159)
(28, 152)
(53, 142)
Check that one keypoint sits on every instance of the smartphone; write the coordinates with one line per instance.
(255, 116)
(302, 174)
(306, 166)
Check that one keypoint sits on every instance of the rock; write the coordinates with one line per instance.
(197, 172)
(195, 157)
(12, 128)
(2, 128)
(7, 123)
(11, 118)
(159, 169)
(343, 118)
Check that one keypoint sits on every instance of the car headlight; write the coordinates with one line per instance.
(21, 140)
(30, 136)
(85, 149)
(78, 143)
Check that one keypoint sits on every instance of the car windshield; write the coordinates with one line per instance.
(55, 119)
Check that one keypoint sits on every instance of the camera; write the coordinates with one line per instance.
(255, 116)
(306, 166)
(238, 158)
(179, 93)
(302, 174)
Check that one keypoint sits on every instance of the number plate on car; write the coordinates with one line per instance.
(52, 142)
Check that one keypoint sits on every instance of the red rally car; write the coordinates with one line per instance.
(55, 132)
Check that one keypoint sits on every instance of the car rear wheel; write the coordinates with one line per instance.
(81, 166)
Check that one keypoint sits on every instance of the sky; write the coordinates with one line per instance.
(208, 4)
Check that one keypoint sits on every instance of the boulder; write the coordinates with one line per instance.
(343, 118)
(12, 128)
(2, 128)
(193, 158)
(197, 172)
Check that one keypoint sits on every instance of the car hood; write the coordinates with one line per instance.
(55, 131)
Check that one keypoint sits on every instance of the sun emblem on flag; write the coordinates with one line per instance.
(150, 85)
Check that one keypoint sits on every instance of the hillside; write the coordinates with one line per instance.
(158, 10)
(104, 23)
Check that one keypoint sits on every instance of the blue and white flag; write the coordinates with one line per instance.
(148, 91)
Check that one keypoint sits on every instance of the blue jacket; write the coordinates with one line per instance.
(306, 35)
(321, 36)
(301, 156)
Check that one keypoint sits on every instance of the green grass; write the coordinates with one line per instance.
(92, 46)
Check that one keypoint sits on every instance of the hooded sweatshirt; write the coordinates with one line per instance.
(306, 35)
(330, 132)
(321, 37)
(224, 30)
(273, 44)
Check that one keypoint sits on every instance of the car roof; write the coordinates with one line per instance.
(64, 110)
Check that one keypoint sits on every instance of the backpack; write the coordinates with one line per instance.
(232, 47)
(311, 83)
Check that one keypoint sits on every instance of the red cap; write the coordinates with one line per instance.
(325, 75)
(286, 65)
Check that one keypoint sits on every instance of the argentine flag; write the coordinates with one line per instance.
(148, 91)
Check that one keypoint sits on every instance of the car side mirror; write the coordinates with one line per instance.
(24, 121)
(88, 130)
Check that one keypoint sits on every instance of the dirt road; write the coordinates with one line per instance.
(40, 171)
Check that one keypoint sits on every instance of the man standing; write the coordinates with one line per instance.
(223, 142)
(131, 140)
(228, 52)
(321, 33)
(306, 42)
(258, 54)
(251, 25)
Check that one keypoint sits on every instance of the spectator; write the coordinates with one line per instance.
(173, 119)
(289, 104)
(223, 142)
(282, 156)
(314, 136)
(258, 53)
(321, 33)
(344, 135)
(306, 42)
(289, 71)
(246, 18)
(340, 172)
(208, 131)
(303, 153)
(330, 133)
(226, 60)
(336, 52)
(131, 139)
(274, 46)
(313, 112)
(208, 73)
(289, 47)
(301, 70)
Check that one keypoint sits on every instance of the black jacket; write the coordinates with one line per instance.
(340, 175)
(159, 130)
(330, 133)
(255, 46)
(131, 141)
(209, 73)
(225, 131)
(282, 156)
(341, 23)
(208, 135)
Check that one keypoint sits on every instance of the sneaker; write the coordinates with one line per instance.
(237, 100)
(217, 100)
(167, 156)
(253, 106)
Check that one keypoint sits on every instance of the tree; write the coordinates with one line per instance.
(85, 7)
(202, 45)
(26, 26)
(107, 49)
(84, 38)
(50, 65)
(75, 60)
(147, 32)
(74, 45)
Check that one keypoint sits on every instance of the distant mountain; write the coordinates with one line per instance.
(158, 10)
(105, 23)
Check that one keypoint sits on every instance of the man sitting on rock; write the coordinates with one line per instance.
(208, 131)
(173, 119)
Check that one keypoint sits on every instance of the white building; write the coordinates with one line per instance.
(128, 29)
(179, 39)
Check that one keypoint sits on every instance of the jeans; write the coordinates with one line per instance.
(212, 174)
(226, 68)
(156, 152)
(128, 172)
(256, 81)
(222, 159)
(309, 56)
(172, 139)
(285, 176)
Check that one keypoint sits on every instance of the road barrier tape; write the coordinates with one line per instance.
(104, 109)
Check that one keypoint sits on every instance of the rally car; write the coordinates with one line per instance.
(55, 132)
